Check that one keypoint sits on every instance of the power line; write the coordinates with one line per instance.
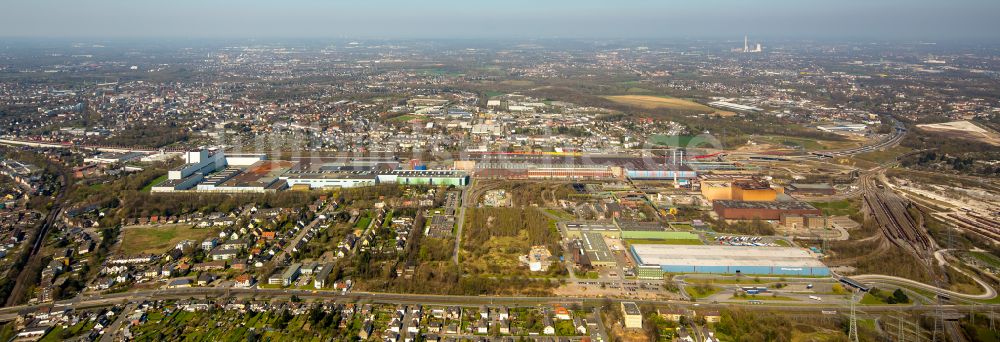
(853, 332)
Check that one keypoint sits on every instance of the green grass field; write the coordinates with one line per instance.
(638, 90)
(741, 281)
(684, 227)
(562, 214)
(868, 299)
(698, 292)
(883, 156)
(981, 331)
(987, 258)
(678, 141)
(58, 333)
(817, 336)
(157, 180)
(403, 118)
(767, 298)
(664, 241)
(363, 223)
(161, 239)
(806, 143)
(837, 208)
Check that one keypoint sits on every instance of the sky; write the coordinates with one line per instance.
(475, 19)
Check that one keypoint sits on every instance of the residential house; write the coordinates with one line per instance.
(562, 313)
(366, 330)
(482, 327)
(547, 327)
(244, 280)
(673, 315)
(221, 253)
(711, 316)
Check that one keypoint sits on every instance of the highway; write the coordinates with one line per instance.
(988, 293)
(893, 139)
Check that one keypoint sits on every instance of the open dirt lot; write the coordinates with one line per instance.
(651, 102)
(964, 130)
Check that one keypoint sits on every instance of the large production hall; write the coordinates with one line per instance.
(654, 260)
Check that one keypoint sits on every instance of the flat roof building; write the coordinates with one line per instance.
(810, 188)
(326, 177)
(631, 315)
(205, 170)
(629, 225)
(286, 276)
(324, 272)
(576, 166)
(738, 189)
(578, 228)
(597, 250)
(733, 106)
(726, 260)
(748, 210)
(660, 235)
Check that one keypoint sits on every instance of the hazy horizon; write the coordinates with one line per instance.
(962, 20)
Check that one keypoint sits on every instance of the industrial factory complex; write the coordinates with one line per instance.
(732, 194)
(214, 171)
(583, 167)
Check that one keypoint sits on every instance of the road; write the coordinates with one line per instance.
(302, 233)
(10, 313)
(893, 139)
(989, 293)
(461, 219)
(600, 325)
(112, 331)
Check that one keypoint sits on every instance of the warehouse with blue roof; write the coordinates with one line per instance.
(655, 260)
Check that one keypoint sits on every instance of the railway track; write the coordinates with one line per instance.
(891, 213)
(994, 225)
(907, 228)
(976, 226)
(22, 279)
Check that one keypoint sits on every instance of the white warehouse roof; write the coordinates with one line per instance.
(711, 255)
